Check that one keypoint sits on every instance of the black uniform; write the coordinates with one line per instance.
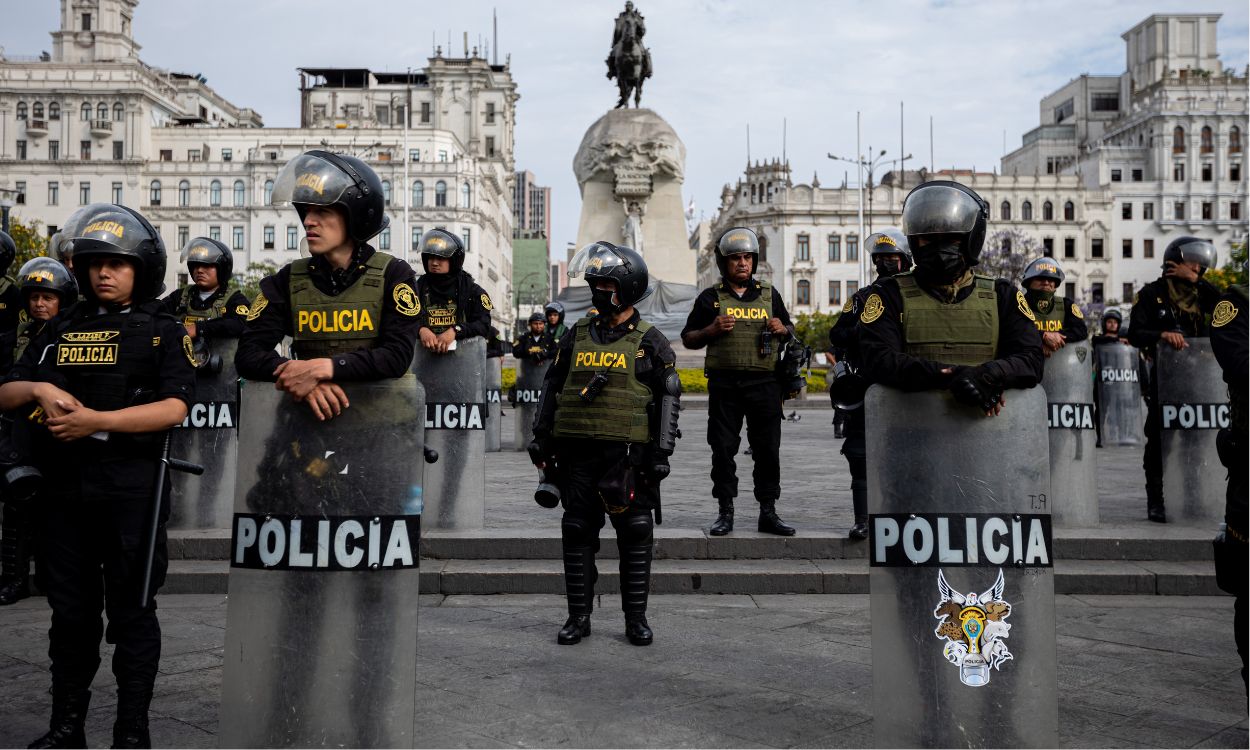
(471, 304)
(228, 326)
(1154, 313)
(885, 361)
(495, 346)
(844, 342)
(1230, 338)
(11, 304)
(270, 320)
(97, 494)
(734, 395)
(536, 348)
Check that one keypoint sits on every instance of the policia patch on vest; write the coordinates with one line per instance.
(873, 309)
(1224, 313)
(406, 302)
(87, 348)
(1024, 306)
(258, 304)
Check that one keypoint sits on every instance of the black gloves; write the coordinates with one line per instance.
(658, 468)
(979, 386)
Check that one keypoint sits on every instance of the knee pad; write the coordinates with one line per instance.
(577, 530)
(635, 528)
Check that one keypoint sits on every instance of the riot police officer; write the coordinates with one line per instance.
(890, 256)
(46, 288)
(604, 429)
(536, 345)
(105, 381)
(742, 322)
(203, 306)
(10, 300)
(351, 311)
(940, 326)
(453, 306)
(1111, 320)
(1058, 318)
(1176, 305)
(554, 312)
(1229, 340)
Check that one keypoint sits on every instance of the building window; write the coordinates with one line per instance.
(119, 112)
(1234, 172)
(425, 112)
(1178, 210)
(1069, 290)
(384, 115)
(442, 155)
(184, 193)
(84, 193)
(214, 232)
(167, 154)
(1178, 140)
(1234, 140)
(417, 232)
(803, 292)
(1234, 210)
(467, 237)
(384, 239)
(194, 154)
(1148, 248)
(852, 248)
(292, 237)
(490, 146)
(835, 248)
(1148, 211)
(835, 293)
(86, 22)
(1069, 247)
(1069, 211)
(54, 193)
(1026, 211)
(1206, 211)
(54, 150)
(36, 110)
(418, 193)
(1004, 211)
(184, 236)
(268, 235)
(240, 194)
(54, 111)
(1136, 173)
(414, 155)
(803, 248)
(851, 288)
(466, 196)
(1116, 176)
(84, 150)
(154, 193)
(386, 192)
(19, 188)
(440, 194)
(21, 150)
(1095, 247)
(84, 112)
(1048, 247)
(1104, 101)
(214, 193)
(1205, 146)
(1207, 170)
(1126, 211)
(490, 113)
(268, 192)
(1126, 248)
(102, 112)
(1126, 292)
(1178, 172)
(1095, 293)
(227, 154)
(237, 236)
(119, 150)
(21, 110)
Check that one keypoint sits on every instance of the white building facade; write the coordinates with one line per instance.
(92, 123)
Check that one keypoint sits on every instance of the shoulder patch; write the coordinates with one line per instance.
(258, 304)
(188, 349)
(486, 302)
(1077, 311)
(242, 310)
(873, 309)
(1225, 311)
(850, 303)
(640, 354)
(406, 302)
(1024, 306)
(23, 317)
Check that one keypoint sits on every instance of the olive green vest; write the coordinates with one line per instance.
(739, 349)
(440, 315)
(1051, 322)
(323, 325)
(188, 314)
(24, 334)
(963, 333)
(619, 412)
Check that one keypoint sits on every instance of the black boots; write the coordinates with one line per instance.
(13, 590)
(131, 727)
(770, 523)
(580, 575)
(637, 630)
(725, 521)
(69, 714)
(859, 531)
(1154, 502)
(14, 556)
(575, 629)
(859, 504)
(635, 542)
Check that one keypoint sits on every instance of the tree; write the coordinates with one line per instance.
(29, 240)
(249, 280)
(813, 329)
(1007, 253)
(1232, 272)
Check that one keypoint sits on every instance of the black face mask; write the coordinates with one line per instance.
(942, 262)
(603, 301)
(1041, 301)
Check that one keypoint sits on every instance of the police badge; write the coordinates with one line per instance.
(974, 626)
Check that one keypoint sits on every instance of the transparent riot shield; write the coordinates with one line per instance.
(493, 384)
(209, 437)
(1121, 410)
(1193, 407)
(455, 424)
(321, 624)
(529, 386)
(1069, 384)
(960, 546)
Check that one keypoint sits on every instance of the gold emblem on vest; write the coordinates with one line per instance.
(258, 304)
(1024, 306)
(873, 309)
(94, 337)
(346, 320)
(188, 349)
(747, 313)
(609, 360)
(1077, 311)
(486, 302)
(86, 354)
(1224, 313)
(242, 310)
(406, 302)
(850, 304)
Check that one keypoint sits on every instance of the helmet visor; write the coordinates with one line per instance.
(738, 240)
(311, 180)
(887, 243)
(940, 209)
(200, 250)
(597, 259)
(1200, 251)
(106, 228)
(438, 243)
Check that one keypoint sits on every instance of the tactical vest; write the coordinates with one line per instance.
(739, 349)
(188, 314)
(1051, 322)
(441, 315)
(963, 333)
(108, 361)
(619, 412)
(326, 325)
(24, 334)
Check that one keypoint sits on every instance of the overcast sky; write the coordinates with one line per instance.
(978, 68)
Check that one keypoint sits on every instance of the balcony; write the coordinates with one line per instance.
(36, 128)
(101, 128)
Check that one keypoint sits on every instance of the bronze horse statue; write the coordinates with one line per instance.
(630, 65)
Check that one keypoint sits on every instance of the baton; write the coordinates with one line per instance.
(162, 471)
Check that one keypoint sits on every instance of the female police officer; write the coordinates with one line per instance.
(107, 379)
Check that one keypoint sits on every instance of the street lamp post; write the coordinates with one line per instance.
(869, 167)
(519, 286)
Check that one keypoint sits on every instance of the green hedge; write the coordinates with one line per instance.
(694, 381)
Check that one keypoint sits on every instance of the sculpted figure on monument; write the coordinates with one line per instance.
(631, 232)
(629, 62)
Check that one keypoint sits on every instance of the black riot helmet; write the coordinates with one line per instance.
(48, 275)
(322, 178)
(204, 251)
(555, 307)
(889, 241)
(1043, 268)
(733, 241)
(944, 208)
(1184, 249)
(8, 251)
(107, 229)
(537, 317)
(61, 248)
(624, 265)
(442, 244)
